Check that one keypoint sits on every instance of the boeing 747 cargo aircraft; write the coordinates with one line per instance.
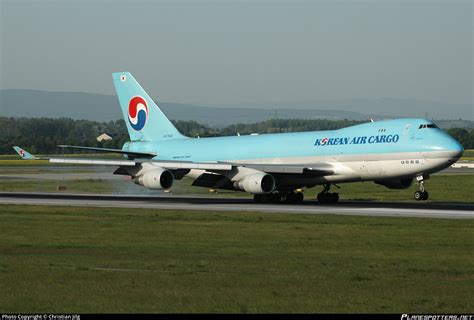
(272, 167)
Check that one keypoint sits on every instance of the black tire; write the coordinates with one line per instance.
(290, 198)
(335, 197)
(424, 195)
(418, 195)
(299, 197)
(275, 198)
(321, 197)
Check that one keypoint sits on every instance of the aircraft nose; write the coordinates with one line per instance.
(455, 149)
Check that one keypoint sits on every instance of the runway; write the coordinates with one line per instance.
(357, 208)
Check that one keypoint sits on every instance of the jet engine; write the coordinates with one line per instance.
(157, 179)
(396, 183)
(257, 183)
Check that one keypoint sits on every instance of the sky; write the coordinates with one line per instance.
(243, 53)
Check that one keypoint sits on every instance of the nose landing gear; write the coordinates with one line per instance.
(421, 194)
(327, 197)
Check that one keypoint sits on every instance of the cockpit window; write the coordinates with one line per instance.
(428, 125)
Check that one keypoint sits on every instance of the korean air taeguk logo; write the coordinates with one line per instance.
(137, 113)
(384, 138)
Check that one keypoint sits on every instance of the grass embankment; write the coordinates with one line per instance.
(68, 260)
(442, 188)
(468, 155)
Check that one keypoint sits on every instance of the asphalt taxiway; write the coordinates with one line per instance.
(359, 208)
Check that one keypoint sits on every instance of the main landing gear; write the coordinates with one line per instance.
(327, 197)
(294, 197)
(421, 194)
(291, 197)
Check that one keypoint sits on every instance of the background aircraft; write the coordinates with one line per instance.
(272, 166)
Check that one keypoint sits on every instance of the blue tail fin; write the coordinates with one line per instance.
(24, 154)
(144, 120)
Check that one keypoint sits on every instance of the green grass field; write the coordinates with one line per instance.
(68, 260)
(442, 188)
(468, 155)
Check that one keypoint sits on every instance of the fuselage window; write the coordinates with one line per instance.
(430, 125)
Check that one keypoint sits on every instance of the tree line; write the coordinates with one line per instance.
(42, 135)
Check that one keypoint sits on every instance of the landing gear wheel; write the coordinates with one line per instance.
(321, 197)
(293, 197)
(275, 198)
(290, 198)
(421, 194)
(424, 195)
(328, 197)
(418, 195)
(299, 197)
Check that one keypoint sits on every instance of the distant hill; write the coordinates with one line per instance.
(98, 107)
(78, 105)
(398, 107)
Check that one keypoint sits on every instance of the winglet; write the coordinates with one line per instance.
(24, 154)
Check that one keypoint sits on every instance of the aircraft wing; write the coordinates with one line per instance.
(132, 153)
(318, 169)
(172, 165)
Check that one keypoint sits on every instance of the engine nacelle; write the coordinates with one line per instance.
(156, 179)
(257, 183)
(396, 183)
